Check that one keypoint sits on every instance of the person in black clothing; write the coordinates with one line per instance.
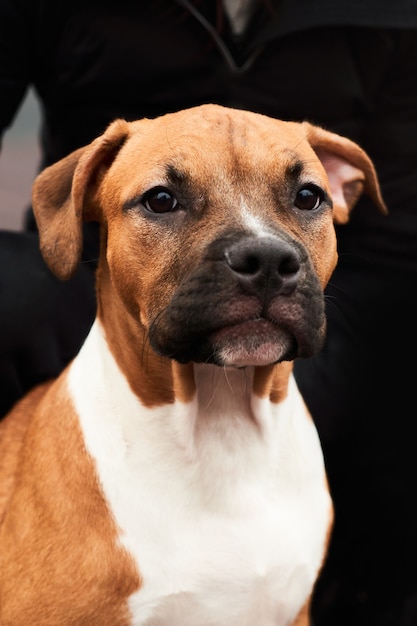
(349, 66)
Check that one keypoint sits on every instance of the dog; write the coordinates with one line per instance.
(172, 475)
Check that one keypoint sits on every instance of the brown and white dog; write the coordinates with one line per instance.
(172, 476)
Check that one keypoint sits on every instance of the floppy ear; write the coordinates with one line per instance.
(60, 198)
(349, 169)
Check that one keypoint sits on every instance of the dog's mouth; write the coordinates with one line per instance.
(251, 340)
(254, 342)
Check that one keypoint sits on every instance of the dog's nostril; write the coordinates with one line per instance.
(289, 265)
(244, 263)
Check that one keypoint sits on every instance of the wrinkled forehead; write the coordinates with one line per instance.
(207, 143)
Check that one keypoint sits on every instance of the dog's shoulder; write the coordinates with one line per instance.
(13, 431)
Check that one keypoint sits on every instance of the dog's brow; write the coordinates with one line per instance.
(175, 175)
(294, 169)
(179, 179)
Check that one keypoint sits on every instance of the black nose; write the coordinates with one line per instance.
(264, 264)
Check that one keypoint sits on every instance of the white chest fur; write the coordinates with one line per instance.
(221, 502)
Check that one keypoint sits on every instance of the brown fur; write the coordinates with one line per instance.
(54, 499)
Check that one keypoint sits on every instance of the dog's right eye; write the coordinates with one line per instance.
(159, 200)
(309, 198)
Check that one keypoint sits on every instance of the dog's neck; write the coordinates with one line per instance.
(204, 389)
(223, 421)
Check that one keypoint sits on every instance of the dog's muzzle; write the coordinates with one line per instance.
(250, 301)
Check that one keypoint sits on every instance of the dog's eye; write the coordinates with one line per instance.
(159, 200)
(309, 198)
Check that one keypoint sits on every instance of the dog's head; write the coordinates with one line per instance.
(217, 228)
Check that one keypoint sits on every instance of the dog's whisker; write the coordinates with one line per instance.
(89, 261)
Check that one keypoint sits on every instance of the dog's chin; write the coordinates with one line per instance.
(252, 343)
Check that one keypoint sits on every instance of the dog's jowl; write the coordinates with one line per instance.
(172, 476)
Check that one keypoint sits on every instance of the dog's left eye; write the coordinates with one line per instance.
(309, 198)
(159, 200)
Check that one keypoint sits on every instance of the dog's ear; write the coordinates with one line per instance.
(349, 169)
(61, 194)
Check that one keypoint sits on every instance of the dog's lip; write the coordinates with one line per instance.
(252, 342)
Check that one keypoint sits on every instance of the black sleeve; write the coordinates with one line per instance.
(387, 62)
(17, 55)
